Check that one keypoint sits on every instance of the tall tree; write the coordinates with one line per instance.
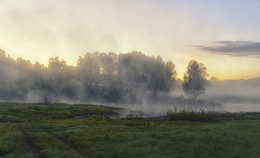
(194, 79)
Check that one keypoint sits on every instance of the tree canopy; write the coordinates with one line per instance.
(97, 76)
(194, 79)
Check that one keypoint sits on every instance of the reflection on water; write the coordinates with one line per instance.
(161, 110)
(239, 107)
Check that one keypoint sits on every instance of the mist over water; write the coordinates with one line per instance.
(161, 110)
(240, 107)
(140, 85)
(220, 96)
(235, 96)
(156, 110)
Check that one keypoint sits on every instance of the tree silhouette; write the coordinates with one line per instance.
(105, 77)
(194, 79)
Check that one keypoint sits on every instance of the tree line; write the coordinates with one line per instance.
(97, 77)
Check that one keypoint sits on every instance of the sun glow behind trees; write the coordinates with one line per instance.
(103, 77)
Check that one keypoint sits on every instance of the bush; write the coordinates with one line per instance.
(189, 115)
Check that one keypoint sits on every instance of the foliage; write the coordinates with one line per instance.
(103, 77)
(194, 79)
(190, 115)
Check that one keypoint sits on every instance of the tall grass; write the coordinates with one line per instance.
(190, 115)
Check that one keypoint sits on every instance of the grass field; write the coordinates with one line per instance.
(70, 131)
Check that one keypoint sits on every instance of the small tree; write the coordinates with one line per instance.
(194, 79)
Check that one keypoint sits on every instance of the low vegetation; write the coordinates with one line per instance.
(208, 116)
(77, 131)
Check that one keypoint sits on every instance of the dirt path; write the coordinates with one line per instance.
(66, 144)
(33, 149)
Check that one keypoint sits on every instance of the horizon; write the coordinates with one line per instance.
(209, 77)
(223, 35)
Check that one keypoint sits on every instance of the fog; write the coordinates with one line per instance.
(235, 95)
(98, 77)
(140, 84)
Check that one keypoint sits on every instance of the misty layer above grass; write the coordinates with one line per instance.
(97, 77)
(99, 136)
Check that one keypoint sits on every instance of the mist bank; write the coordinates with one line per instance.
(144, 83)
(97, 77)
(234, 95)
(234, 91)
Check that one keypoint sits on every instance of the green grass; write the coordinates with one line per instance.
(207, 116)
(18, 112)
(32, 130)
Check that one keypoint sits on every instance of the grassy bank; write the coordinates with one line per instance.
(32, 130)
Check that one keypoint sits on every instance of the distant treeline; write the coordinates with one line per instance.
(102, 77)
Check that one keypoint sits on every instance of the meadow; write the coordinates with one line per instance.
(83, 130)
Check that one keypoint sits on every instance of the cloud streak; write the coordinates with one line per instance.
(233, 48)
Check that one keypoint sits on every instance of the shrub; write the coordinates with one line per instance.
(189, 115)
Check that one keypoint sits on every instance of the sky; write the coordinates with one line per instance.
(222, 34)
